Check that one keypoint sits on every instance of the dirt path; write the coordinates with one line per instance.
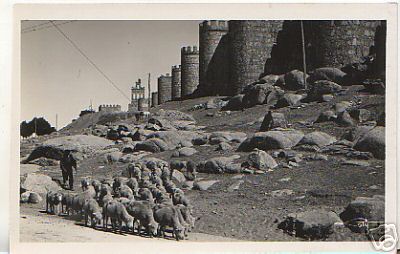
(36, 226)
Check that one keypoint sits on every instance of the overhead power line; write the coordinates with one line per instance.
(34, 29)
(89, 60)
(34, 26)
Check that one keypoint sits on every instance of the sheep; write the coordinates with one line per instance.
(79, 200)
(104, 191)
(118, 182)
(125, 191)
(133, 184)
(97, 186)
(155, 179)
(145, 194)
(143, 212)
(93, 211)
(105, 199)
(168, 216)
(67, 202)
(85, 184)
(169, 186)
(163, 198)
(134, 170)
(144, 183)
(179, 198)
(124, 201)
(187, 216)
(53, 200)
(117, 212)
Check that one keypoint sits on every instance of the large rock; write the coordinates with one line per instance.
(185, 152)
(373, 142)
(320, 88)
(113, 157)
(356, 133)
(28, 168)
(54, 148)
(217, 165)
(178, 176)
(341, 106)
(326, 116)
(317, 138)
(273, 120)
(316, 224)
(175, 139)
(294, 80)
(227, 136)
(372, 209)
(344, 119)
(269, 79)
(153, 145)
(261, 94)
(204, 185)
(360, 115)
(289, 99)
(141, 134)
(38, 183)
(261, 160)
(235, 103)
(30, 197)
(272, 140)
(327, 73)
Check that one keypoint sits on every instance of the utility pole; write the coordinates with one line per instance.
(304, 54)
(35, 127)
(91, 115)
(56, 122)
(149, 94)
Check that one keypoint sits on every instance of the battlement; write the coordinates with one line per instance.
(214, 25)
(190, 50)
(176, 67)
(167, 75)
(109, 108)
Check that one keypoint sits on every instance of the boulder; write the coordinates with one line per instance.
(28, 168)
(141, 134)
(200, 140)
(178, 176)
(289, 99)
(315, 224)
(356, 133)
(127, 158)
(273, 120)
(24, 198)
(294, 80)
(128, 149)
(38, 183)
(215, 103)
(162, 123)
(216, 165)
(224, 146)
(34, 198)
(185, 152)
(113, 157)
(175, 139)
(149, 162)
(272, 140)
(269, 79)
(261, 94)
(344, 119)
(153, 145)
(373, 142)
(327, 73)
(54, 148)
(372, 209)
(204, 184)
(317, 138)
(341, 106)
(261, 160)
(320, 88)
(227, 136)
(360, 115)
(235, 103)
(326, 116)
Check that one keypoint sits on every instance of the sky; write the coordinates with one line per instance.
(57, 80)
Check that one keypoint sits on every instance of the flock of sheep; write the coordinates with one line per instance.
(147, 198)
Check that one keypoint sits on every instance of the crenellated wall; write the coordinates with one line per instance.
(109, 108)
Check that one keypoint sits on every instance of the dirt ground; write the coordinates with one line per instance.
(251, 212)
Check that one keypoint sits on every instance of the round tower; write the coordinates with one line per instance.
(189, 70)
(154, 99)
(213, 56)
(251, 45)
(142, 104)
(164, 88)
(341, 42)
(176, 82)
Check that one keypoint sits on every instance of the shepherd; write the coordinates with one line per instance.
(68, 162)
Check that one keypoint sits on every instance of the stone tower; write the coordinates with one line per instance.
(251, 45)
(164, 88)
(137, 92)
(154, 99)
(176, 82)
(189, 70)
(213, 57)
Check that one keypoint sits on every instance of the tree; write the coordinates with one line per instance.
(26, 129)
(38, 125)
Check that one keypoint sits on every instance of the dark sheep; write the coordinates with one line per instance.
(117, 213)
(53, 200)
(143, 212)
(167, 216)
